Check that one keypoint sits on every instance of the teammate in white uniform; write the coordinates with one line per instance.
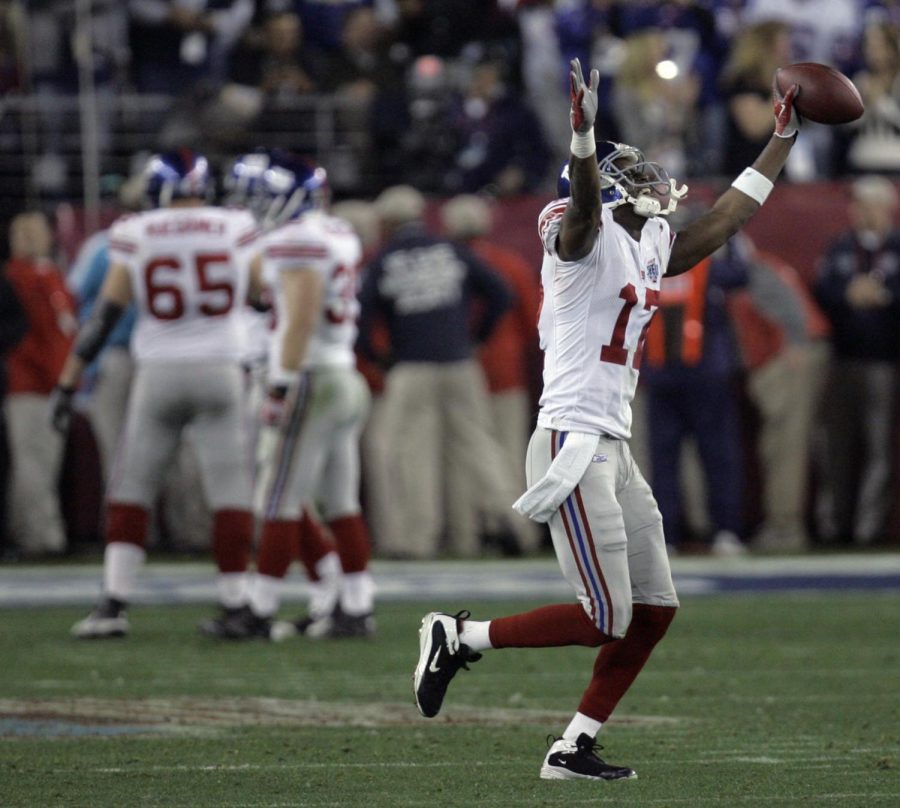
(606, 248)
(186, 267)
(317, 401)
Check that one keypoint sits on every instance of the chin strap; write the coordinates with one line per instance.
(648, 206)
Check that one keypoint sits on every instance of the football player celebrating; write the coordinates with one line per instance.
(606, 247)
(186, 266)
(317, 402)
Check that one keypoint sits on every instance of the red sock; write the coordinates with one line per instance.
(276, 547)
(547, 627)
(352, 538)
(619, 663)
(232, 539)
(313, 544)
(126, 523)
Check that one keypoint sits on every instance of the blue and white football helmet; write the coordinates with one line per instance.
(276, 186)
(179, 174)
(627, 177)
(242, 182)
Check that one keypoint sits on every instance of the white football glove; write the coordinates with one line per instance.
(584, 98)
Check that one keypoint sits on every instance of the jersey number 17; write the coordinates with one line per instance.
(616, 352)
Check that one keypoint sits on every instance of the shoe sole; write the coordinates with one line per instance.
(554, 773)
(110, 633)
(425, 645)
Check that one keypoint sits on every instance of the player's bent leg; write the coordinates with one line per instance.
(547, 627)
(441, 655)
(619, 663)
(590, 536)
(655, 602)
(615, 669)
(448, 642)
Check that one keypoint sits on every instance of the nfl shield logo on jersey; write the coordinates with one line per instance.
(653, 272)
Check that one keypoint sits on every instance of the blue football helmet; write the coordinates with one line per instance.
(179, 174)
(276, 186)
(627, 177)
(243, 180)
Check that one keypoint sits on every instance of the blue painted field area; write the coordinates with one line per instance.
(485, 579)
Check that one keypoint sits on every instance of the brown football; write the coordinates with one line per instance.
(826, 95)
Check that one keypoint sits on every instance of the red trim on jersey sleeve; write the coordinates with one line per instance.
(552, 213)
(249, 237)
(123, 246)
(299, 250)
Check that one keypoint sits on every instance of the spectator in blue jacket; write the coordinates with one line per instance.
(422, 289)
(688, 376)
(500, 146)
(858, 288)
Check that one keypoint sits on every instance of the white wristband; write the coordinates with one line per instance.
(583, 145)
(754, 184)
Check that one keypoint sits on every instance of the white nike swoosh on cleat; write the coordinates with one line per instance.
(433, 667)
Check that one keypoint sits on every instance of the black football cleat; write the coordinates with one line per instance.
(107, 620)
(351, 626)
(578, 760)
(441, 655)
(239, 623)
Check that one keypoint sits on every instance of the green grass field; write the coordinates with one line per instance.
(764, 700)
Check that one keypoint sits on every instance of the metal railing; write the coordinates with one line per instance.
(60, 147)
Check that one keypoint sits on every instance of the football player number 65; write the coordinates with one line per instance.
(165, 284)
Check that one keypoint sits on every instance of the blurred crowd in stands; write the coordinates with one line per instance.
(468, 99)
(469, 95)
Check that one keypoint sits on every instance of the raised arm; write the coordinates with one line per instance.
(745, 196)
(578, 228)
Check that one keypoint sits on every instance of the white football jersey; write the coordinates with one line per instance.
(329, 246)
(593, 322)
(189, 270)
